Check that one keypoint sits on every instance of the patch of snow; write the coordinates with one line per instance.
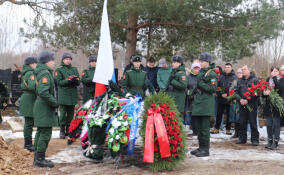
(246, 155)
(69, 155)
(8, 134)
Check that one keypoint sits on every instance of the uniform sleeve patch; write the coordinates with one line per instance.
(183, 78)
(44, 80)
(213, 81)
(56, 73)
(124, 77)
(32, 77)
(82, 74)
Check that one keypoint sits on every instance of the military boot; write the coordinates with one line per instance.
(195, 151)
(41, 162)
(236, 134)
(67, 130)
(204, 150)
(62, 132)
(274, 145)
(269, 144)
(29, 145)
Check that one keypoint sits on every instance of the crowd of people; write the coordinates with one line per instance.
(198, 94)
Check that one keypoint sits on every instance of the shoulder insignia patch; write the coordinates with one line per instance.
(124, 77)
(82, 74)
(44, 80)
(183, 78)
(213, 81)
(56, 73)
(32, 77)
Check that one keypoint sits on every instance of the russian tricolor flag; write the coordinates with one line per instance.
(105, 67)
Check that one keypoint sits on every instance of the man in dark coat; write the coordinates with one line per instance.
(225, 81)
(152, 71)
(245, 114)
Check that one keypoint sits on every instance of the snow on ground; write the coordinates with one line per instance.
(8, 134)
(69, 155)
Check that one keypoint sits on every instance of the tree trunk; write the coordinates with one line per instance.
(131, 37)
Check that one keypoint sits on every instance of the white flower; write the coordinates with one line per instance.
(110, 140)
(125, 123)
(120, 118)
(106, 116)
(111, 131)
(114, 120)
(117, 137)
(116, 124)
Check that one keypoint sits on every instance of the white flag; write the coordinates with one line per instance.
(105, 68)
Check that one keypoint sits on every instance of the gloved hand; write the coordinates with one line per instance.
(170, 88)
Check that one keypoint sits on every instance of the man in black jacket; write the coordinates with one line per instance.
(152, 71)
(247, 114)
(225, 82)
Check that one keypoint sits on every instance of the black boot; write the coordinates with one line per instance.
(195, 151)
(41, 162)
(274, 145)
(236, 134)
(204, 150)
(269, 144)
(62, 132)
(29, 145)
(66, 130)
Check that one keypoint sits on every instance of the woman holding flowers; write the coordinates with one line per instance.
(270, 112)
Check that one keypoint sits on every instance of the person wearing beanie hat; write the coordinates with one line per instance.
(204, 99)
(192, 80)
(135, 81)
(44, 107)
(177, 82)
(87, 79)
(67, 79)
(163, 74)
(28, 99)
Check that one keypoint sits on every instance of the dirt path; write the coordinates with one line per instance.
(226, 158)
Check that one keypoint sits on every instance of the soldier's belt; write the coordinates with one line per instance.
(136, 88)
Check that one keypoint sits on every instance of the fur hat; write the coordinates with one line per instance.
(92, 58)
(30, 60)
(66, 55)
(178, 58)
(205, 57)
(46, 56)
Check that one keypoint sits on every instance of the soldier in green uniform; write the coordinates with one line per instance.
(28, 99)
(203, 103)
(135, 80)
(67, 78)
(87, 79)
(177, 83)
(4, 95)
(44, 107)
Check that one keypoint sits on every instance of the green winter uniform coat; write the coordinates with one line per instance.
(89, 85)
(67, 91)
(135, 81)
(45, 104)
(163, 76)
(178, 83)
(29, 96)
(204, 101)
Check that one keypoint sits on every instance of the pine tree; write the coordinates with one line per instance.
(229, 28)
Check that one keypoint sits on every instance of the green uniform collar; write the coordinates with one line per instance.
(63, 65)
(92, 68)
(137, 70)
(40, 67)
(180, 68)
(26, 68)
(211, 66)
